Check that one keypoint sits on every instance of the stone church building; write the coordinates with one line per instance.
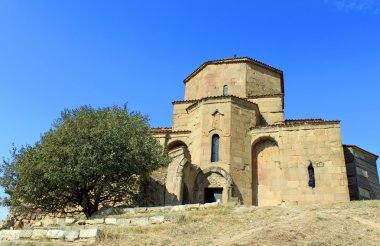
(229, 141)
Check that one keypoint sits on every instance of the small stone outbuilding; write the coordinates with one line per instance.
(230, 142)
(363, 178)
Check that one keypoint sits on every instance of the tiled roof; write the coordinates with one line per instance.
(292, 121)
(266, 96)
(156, 130)
(300, 122)
(186, 101)
(213, 97)
(360, 149)
(310, 122)
(221, 96)
(233, 60)
(161, 129)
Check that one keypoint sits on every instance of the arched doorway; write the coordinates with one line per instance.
(265, 172)
(180, 175)
(175, 144)
(164, 185)
(212, 184)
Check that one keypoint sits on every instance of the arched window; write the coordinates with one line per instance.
(310, 169)
(225, 90)
(215, 148)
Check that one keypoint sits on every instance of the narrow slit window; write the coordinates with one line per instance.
(225, 90)
(215, 148)
(310, 169)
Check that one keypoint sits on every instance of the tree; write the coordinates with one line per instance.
(89, 158)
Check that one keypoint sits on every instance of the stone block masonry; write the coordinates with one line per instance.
(229, 141)
(90, 230)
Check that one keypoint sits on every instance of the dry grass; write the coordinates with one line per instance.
(353, 223)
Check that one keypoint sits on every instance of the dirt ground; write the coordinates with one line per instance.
(351, 223)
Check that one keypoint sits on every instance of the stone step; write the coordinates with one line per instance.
(71, 230)
(54, 234)
(89, 223)
(117, 212)
(109, 216)
(75, 233)
(43, 243)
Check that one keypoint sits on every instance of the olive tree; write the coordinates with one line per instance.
(89, 158)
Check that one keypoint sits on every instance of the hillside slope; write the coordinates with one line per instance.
(352, 223)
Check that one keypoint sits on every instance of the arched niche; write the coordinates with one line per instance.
(265, 171)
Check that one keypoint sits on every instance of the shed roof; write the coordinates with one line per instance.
(361, 150)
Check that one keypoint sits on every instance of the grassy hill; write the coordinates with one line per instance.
(352, 223)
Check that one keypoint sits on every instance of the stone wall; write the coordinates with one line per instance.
(210, 81)
(155, 188)
(28, 218)
(242, 79)
(284, 179)
(209, 117)
(90, 231)
(271, 109)
(263, 159)
(242, 119)
(181, 119)
(262, 81)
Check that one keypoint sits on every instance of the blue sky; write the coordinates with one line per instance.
(64, 54)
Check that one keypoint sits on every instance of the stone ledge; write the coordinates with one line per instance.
(41, 234)
(145, 210)
(71, 230)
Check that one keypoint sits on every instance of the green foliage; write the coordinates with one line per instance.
(90, 157)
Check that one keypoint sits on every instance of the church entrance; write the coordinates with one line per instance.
(213, 195)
